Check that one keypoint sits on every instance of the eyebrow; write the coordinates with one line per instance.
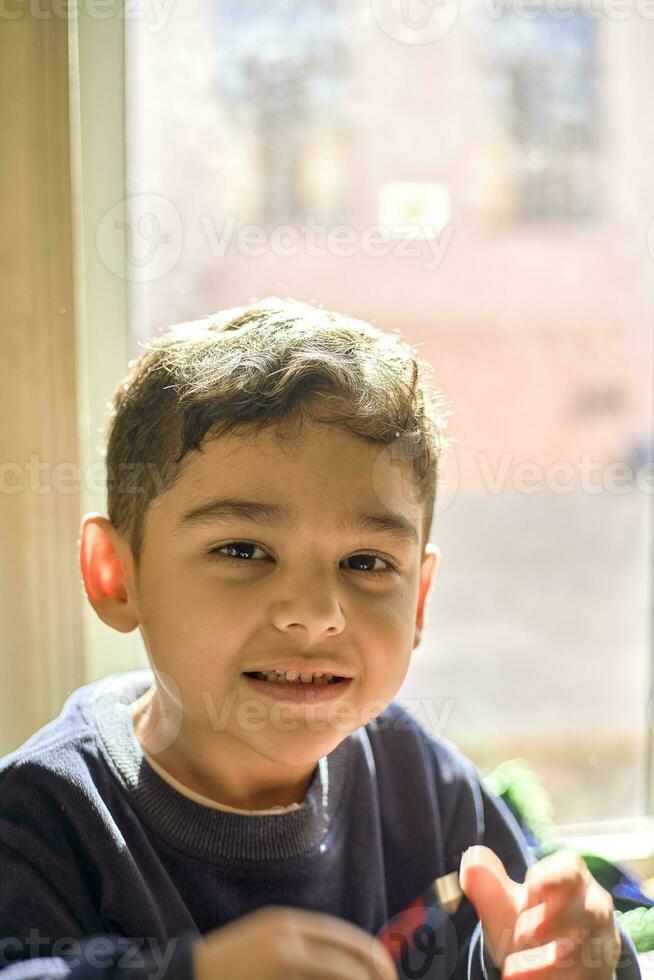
(266, 514)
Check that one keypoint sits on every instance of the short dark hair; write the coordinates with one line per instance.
(257, 366)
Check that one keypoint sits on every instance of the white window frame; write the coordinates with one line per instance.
(97, 72)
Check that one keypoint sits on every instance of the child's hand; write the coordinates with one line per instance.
(558, 925)
(276, 942)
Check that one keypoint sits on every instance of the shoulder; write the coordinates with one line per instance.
(71, 742)
(57, 778)
(425, 769)
(401, 732)
(469, 812)
(47, 808)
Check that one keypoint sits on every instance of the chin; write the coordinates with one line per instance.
(302, 746)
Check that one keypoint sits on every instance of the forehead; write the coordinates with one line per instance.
(326, 473)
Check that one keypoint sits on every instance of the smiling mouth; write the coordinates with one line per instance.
(259, 676)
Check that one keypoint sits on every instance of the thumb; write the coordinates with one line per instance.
(496, 897)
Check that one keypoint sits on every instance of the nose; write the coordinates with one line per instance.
(311, 605)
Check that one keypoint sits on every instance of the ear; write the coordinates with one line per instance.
(104, 560)
(428, 568)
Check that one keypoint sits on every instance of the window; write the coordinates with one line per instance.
(382, 162)
(542, 100)
(281, 77)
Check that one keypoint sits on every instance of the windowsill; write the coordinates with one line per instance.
(646, 964)
(627, 842)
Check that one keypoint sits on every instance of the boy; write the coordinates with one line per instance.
(256, 805)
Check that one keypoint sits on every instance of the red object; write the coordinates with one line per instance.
(400, 930)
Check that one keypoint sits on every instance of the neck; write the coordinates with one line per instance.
(190, 758)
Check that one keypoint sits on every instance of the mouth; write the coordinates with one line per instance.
(298, 692)
(316, 682)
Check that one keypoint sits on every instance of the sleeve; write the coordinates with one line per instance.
(42, 939)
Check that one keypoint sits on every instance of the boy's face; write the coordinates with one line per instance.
(298, 589)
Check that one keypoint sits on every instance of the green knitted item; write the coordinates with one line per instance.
(639, 926)
(520, 787)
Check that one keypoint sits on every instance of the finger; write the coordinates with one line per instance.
(327, 958)
(326, 928)
(330, 963)
(563, 871)
(544, 922)
(588, 914)
(557, 960)
(495, 896)
(562, 959)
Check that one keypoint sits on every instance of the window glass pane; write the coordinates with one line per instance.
(541, 78)
(483, 187)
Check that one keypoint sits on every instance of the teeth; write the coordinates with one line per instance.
(278, 676)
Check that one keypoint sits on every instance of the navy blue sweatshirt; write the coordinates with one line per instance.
(109, 872)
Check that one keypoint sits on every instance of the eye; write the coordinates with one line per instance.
(244, 551)
(240, 548)
(371, 559)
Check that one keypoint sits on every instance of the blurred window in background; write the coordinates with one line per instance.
(282, 79)
(541, 78)
(484, 189)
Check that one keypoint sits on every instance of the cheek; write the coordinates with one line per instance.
(393, 614)
(180, 613)
(389, 633)
(184, 595)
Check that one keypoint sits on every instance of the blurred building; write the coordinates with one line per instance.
(520, 142)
